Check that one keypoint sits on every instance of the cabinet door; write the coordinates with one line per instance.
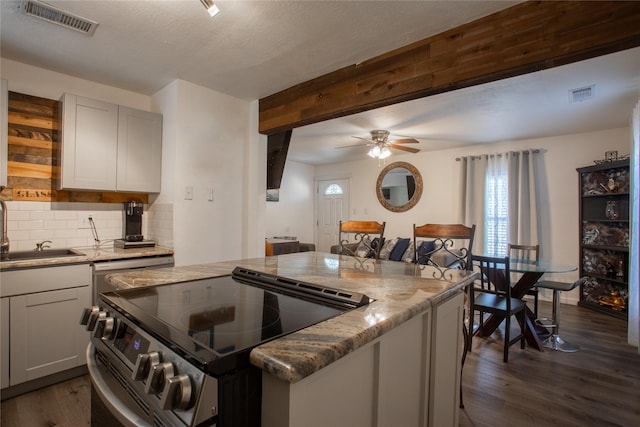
(45, 333)
(139, 150)
(4, 337)
(89, 144)
(4, 129)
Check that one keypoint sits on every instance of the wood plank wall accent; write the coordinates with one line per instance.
(33, 156)
(527, 37)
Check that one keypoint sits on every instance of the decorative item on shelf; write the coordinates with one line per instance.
(614, 301)
(611, 186)
(610, 156)
(611, 211)
(590, 235)
(620, 271)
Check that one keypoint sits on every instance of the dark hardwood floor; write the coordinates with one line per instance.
(597, 386)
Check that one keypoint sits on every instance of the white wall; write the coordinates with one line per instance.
(204, 138)
(40, 82)
(293, 214)
(558, 189)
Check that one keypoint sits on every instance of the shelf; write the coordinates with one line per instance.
(589, 196)
(602, 309)
(604, 237)
(606, 248)
(622, 283)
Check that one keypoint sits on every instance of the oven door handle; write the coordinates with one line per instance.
(117, 407)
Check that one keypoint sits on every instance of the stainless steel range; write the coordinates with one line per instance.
(178, 354)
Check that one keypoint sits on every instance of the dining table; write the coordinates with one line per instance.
(531, 272)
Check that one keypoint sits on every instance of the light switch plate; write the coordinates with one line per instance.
(188, 192)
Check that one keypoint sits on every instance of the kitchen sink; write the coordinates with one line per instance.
(43, 254)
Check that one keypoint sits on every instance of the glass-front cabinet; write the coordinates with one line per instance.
(604, 237)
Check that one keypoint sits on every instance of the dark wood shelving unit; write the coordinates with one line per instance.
(604, 237)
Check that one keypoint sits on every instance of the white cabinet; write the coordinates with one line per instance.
(41, 309)
(4, 337)
(106, 147)
(139, 150)
(4, 129)
(89, 144)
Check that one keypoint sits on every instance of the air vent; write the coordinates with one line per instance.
(57, 16)
(582, 94)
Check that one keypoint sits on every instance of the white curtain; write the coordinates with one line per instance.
(519, 167)
(473, 171)
(523, 209)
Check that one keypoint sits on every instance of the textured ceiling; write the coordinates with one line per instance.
(252, 49)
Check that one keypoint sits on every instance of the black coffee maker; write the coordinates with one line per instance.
(133, 222)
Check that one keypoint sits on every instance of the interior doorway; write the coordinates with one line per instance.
(333, 206)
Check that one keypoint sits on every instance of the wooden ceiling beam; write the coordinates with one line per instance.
(527, 37)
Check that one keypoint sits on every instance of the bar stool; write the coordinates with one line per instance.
(554, 341)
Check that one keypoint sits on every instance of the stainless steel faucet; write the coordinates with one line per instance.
(4, 241)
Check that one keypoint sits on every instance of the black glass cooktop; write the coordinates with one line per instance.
(216, 322)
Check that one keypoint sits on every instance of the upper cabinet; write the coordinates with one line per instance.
(4, 113)
(139, 150)
(106, 147)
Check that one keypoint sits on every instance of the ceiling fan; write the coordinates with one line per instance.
(380, 144)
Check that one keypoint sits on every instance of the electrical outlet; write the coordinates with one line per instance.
(85, 223)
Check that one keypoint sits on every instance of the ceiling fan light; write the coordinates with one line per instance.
(210, 6)
(374, 152)
(384, 153)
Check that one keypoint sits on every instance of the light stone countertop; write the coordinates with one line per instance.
(87, 254)
(401, 291)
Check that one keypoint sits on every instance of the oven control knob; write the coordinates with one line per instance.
(93, 319)
(177, 393)
(105, 328)
(86, 313)
(157, 377)
(143, 365)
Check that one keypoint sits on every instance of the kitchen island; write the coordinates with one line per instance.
(394, 362)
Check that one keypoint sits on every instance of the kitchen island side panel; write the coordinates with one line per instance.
(394, 380)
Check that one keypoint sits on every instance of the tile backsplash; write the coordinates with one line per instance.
(67, 225)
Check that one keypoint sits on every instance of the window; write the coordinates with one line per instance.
(496, 209)
(332, 190)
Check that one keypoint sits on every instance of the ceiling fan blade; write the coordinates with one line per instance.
(364, 139)
(403, 148)
(351, 146)
(405, 141)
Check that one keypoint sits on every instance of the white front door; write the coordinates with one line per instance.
(333, 207)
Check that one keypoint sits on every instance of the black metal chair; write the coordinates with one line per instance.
(368, 238)
(527, 253)
(492, 294)
(447, 246)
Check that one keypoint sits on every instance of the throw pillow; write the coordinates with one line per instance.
(424, 251)
(374, 245)
(409, 255)
(399, 249)
(364, 248)
(387, 248)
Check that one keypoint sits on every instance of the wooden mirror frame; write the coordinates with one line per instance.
(416, 195)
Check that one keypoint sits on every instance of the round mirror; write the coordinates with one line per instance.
(399, 186)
